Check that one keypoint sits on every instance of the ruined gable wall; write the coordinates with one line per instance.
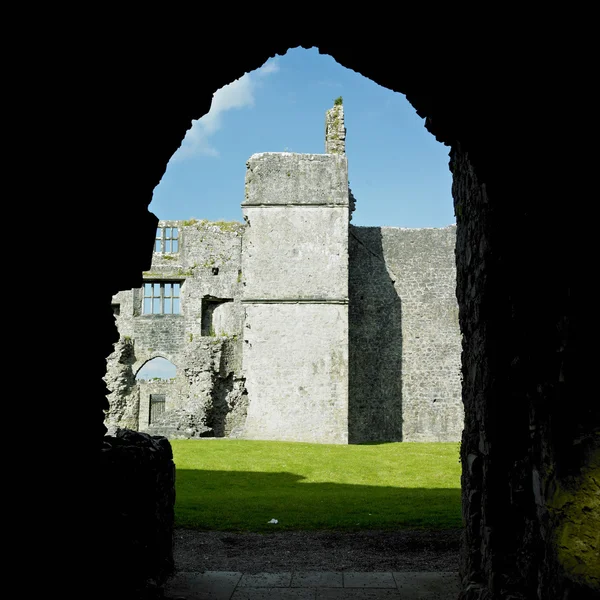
(208, 266)
(404, 335)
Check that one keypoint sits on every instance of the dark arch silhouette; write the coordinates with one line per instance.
(504, 98)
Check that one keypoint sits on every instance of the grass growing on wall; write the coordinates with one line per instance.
(239, 485)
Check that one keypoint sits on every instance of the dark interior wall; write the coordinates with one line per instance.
(530, 443)
(119, 102)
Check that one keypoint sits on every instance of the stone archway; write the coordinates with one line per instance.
(530, 428)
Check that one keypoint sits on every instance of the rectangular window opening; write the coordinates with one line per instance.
(167, 240)
(161, 298)
(214, 319)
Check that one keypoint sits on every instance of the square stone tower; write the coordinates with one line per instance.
(295, 295)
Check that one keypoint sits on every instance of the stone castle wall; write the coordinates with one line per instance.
(296, 325)
(294, 359)
(295, 271)
(202, 341)
(404, 335)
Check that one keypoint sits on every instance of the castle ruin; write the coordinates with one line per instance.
(294, 325)
(519, 142)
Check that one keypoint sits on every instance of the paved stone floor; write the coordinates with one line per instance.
(313, 585)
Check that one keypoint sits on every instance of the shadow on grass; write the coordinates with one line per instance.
(247, 501)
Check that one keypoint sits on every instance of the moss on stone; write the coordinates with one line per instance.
(224, 226)
(228, 225)
(575, 507)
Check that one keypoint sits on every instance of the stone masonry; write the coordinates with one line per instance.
(202, 338)
(295, 271)
(294, 325)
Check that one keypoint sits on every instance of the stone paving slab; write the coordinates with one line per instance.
(312, 585)
(263, 593)
(427, 585)
(209, 585)
(359, 594)
(318, 579)
(368, 580)
(268, 580)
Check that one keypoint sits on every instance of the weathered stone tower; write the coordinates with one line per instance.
(295, 275)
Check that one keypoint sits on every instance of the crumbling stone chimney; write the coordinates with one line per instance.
(335, 141)
(335, 130)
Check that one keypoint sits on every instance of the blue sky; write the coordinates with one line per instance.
(398, 171)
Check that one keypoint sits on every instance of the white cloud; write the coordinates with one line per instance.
(271, 66)
(237, 94)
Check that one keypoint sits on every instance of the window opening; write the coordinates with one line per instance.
(161, 298)
(167, 240)
(214, 318)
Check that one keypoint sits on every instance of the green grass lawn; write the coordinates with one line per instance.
(240, 485)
